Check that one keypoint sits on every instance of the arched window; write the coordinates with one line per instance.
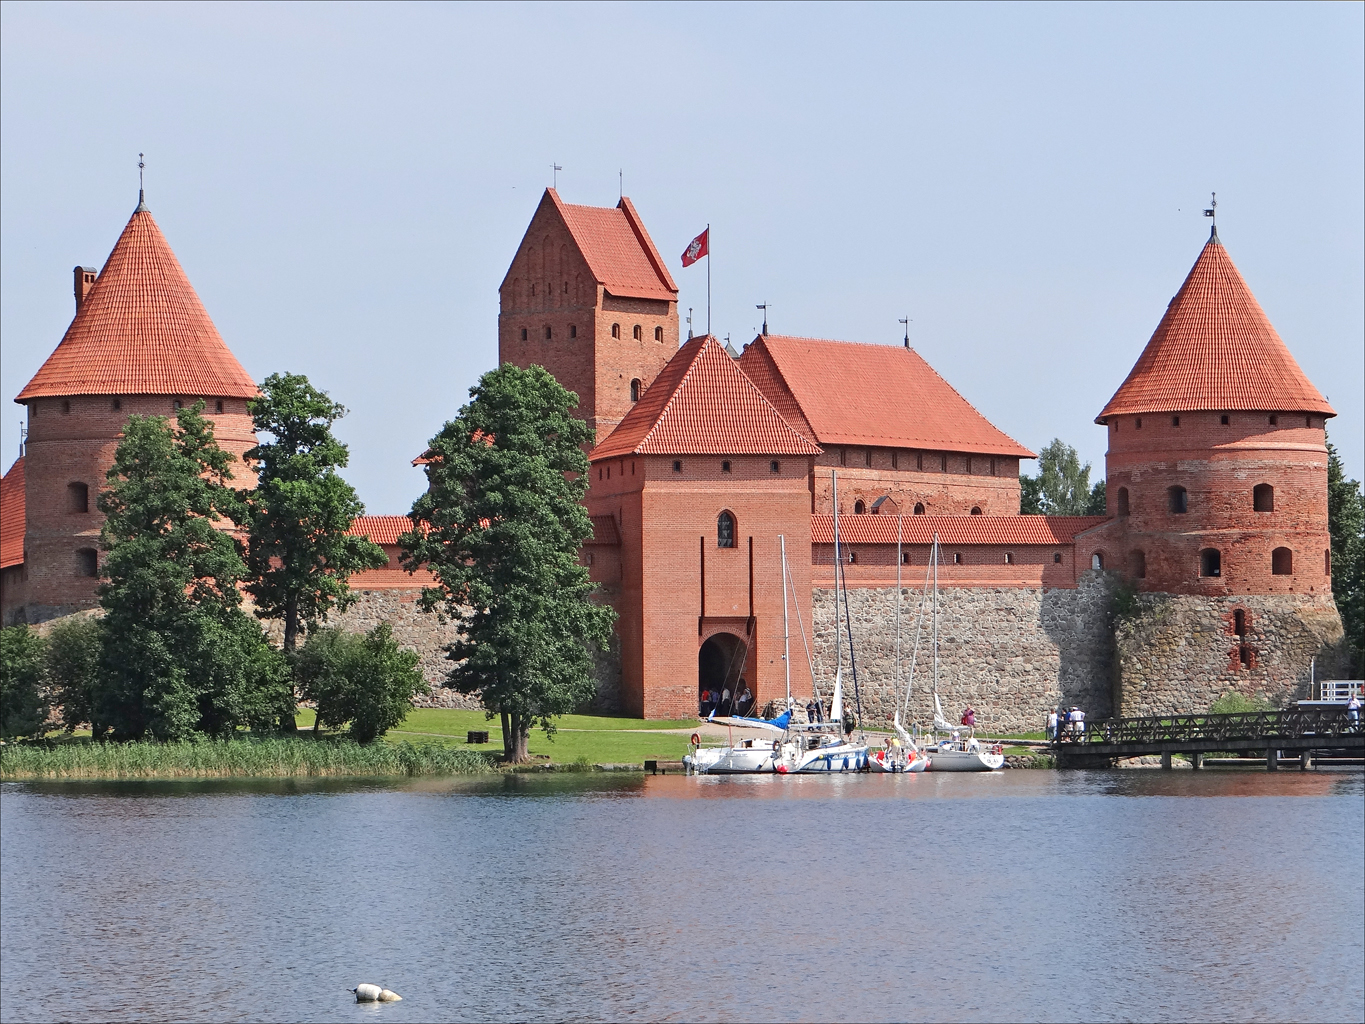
(117, 404)
(725, 530)
(775, 466)
(858, 507)
(615, 330)
(1097, 561)
(1121, 501)
(976, 510)
(177, 404)
(1210, 562)
(725, 466)
(658, 334)
(919, 508)
(77, 497)
(1239, 621)
(1263, 498)
(87, 562)
(1177, 499)
(635, 390)
(636, 333)
(1246, 657)
(1282, 562)
(1139, 563)
(677, 465)
(1056, 558)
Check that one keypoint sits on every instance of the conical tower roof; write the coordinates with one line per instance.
(1215, 350)
(141, 331)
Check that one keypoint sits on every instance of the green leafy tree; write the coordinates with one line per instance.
(1062, 486)
(299, 555)
(367, 680)
(500, 527)
(179, 654)
(1346, 524)
(23, 707)
(73, 657)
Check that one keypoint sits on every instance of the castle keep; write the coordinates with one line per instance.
(1209, 572)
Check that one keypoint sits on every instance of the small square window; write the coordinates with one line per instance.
(957, 557)
(1175, 421)
(725, 466)
(1274, 420)
(1224, 419)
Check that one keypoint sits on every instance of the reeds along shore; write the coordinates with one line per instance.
(235, 758)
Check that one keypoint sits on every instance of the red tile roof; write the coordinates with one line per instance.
(141, 331)
(1215, 350)
(880, 395)
(1047, 530)
(702, 404)
(380, 529)
(618, 249)
(12, 515)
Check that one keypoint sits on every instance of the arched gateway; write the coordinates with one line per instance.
(720, 668)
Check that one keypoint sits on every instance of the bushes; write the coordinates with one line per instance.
(1233, 703)
(367, 680)
(73, 656)
(23, 707)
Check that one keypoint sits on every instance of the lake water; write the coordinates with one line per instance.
(1025, 895)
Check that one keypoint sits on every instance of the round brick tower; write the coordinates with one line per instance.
(1217, 461)
(141, 342)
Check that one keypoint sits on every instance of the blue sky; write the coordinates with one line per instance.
(345, 185)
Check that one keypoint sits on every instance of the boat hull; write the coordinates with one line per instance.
(732, 761)
(825, 761)
(878, 761)
(965, 761)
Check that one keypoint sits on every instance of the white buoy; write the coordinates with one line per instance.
(390, 996)
(368, 993)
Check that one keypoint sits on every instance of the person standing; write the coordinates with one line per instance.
(1353, 709)
(1051, 726)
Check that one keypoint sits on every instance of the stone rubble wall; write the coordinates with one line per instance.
(1178, 654)
(1012, 653)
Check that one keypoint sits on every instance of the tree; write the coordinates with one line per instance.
(73, 657)
(299, 555)
(1062, 486)
(500, 527)
(1346, 525)
(23, 708)
(179, 654)
(367, 680)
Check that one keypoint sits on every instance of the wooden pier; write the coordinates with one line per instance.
(1300, 732)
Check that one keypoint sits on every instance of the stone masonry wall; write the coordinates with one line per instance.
(1012, 653)
(1178, 654)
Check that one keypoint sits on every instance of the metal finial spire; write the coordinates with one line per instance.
(907, 321)
(141, 193)
(689, 323)
(764, 306)
(1212, 211)
(554, 175)
(620, 183)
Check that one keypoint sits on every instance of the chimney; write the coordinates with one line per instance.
(84, 280)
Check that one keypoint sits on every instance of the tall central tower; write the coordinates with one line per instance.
(589, 298)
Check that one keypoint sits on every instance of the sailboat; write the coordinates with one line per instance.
(901, 754)
(955, 752)
(824, 746)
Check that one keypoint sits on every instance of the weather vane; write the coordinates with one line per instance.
(1212, 211)
(764, 306)
(907, 321)
(554, 175)
(140, 164)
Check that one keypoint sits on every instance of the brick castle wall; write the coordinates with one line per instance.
(945, 483)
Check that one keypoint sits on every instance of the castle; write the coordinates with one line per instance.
(708, 464)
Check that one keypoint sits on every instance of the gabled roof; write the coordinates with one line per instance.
(1215, 350)
(141, 331)
(1047, 530)
(617, 248)
(380, 529)
(12, 523)
(840, 392)
(702, 404)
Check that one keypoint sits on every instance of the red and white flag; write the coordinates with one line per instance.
(697, 248)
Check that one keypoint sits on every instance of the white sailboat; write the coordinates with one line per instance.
(823, 747)
(955, 752)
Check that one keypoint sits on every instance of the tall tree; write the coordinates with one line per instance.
(179, 655)
(299, 555)
(500, 527)
(23, 707)
(1346, 524)
(1062, 486)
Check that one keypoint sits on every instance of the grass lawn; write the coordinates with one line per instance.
(600, 740)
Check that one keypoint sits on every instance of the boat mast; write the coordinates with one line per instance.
(899, 519)
(838, 559)
(786, 627)
(935, 556)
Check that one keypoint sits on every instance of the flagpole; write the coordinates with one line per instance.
(708, 278)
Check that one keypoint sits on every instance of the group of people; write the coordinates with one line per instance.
(719, 702)
(815, 711)
(1065, 722)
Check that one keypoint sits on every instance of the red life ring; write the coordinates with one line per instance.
(696, 740)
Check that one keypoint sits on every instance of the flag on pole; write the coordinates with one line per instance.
(696, 249)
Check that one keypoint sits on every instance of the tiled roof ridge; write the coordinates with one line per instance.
(382, 529)
(782, 378)
(1215, 349)
(692, 362)
(141, 330)
(593, 257)
(646, 243)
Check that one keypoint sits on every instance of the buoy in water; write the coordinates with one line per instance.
(368, 993)
(390, 996)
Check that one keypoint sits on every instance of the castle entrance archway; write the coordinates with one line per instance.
(720, 669)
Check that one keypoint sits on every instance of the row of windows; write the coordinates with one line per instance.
(934, 461)
(116, 405)
(637, 332)
(604, 471)
(1211, 562)
(1178, 499)
(851, 556)
(1225, 419)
